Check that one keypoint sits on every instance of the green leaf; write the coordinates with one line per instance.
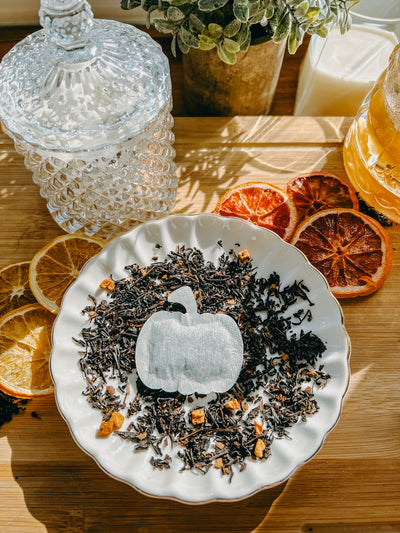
(206, 43)
(321, 30)
(254, 7)
(148, 18)
(344, 22)
(244, 34)
(215, 30)
(231, 46)
(232, 28)
(211, 5)
(206, 38)
(188, 38)
(183, 47)
(302, 9)
(241, 10)
(226, 56)
(165, 26)
(312, 14)
(257, 18)
(283, 28)
(269, 13)
(173, 45)
(244, 45)
(174, 14)
(279, 13)
(295, 38)
(195, 24)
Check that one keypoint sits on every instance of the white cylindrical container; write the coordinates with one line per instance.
(337, 72)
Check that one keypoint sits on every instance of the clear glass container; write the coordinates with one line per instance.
(372, 146)
(87, 103)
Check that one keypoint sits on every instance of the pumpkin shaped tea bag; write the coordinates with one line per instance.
(189, 352)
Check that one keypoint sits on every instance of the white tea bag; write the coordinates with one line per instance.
(189, 352)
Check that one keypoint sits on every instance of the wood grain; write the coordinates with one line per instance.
(351, 486)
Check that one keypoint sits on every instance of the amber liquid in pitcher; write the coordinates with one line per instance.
(372, 147)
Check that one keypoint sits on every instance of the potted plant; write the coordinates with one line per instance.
(233, 49)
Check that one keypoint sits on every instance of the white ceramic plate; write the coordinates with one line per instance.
(269, 253)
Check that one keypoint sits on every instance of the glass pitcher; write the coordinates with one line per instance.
(372, 146)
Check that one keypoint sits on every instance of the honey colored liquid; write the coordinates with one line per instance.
(372, 155)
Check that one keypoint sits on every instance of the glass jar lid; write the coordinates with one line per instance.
(81, 83)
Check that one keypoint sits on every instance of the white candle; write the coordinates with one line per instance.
(337, 72)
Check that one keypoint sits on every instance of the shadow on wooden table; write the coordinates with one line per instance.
(213, 155)
(65, 490)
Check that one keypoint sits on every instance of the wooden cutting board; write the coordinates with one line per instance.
(351, 486)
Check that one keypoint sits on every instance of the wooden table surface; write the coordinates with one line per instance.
(351, 486)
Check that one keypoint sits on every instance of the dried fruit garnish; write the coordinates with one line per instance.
(350, 249)
(218, 429)
(261, 203)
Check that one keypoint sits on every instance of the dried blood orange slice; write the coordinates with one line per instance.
(318, 191)
(262, 204)
(350, 249)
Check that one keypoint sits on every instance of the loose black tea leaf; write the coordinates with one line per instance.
(275, 386)
(373, 213)
(10, 406)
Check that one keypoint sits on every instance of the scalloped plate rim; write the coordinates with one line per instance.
(173, 497)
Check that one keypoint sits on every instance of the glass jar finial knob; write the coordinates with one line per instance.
(67, 22)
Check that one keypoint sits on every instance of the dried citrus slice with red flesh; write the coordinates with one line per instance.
(350, 249)
(262, 204)
(14, 287)
(25, 346)
(318, 191)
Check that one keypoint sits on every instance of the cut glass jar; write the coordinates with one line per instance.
(87, 103)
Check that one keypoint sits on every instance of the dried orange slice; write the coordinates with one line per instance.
(262, 204)
(318, 191)
(350, 249)
(14, 287)
(57, 265)
(25, 345)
